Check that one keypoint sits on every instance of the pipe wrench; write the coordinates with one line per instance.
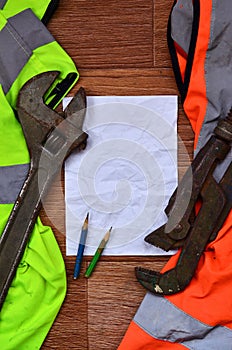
(185, 229)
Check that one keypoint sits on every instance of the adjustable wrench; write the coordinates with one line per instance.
(50, 139)
(184, 228)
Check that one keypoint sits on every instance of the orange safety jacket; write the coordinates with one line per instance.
(200, 317)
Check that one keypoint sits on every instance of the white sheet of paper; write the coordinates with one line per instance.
(125, 176)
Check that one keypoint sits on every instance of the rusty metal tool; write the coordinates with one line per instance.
(184, 228)
(50, 139)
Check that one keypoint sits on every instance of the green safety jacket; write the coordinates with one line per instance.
(39, 287)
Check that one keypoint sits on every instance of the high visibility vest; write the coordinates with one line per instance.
(200, 317)
(39, 287)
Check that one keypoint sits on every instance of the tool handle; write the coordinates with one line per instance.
(19, 227)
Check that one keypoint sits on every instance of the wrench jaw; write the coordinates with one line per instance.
(72, 125)
(66, 137)
(149, 279)
(161, 239)
(39, 121)
(77, 104)
(50, 137)
(167, 283)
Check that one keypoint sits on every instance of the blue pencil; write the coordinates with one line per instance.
(81, 248)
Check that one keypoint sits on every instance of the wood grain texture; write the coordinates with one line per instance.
(119, 48)
(161, 10)
(106, 35)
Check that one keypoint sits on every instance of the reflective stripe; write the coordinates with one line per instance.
(17, 43)
(11, 181)
(37, 36)
(2, 3)
(218, 73)
(164, 321)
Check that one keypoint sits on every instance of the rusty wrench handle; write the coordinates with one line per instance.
(26, 210)
(18, 229)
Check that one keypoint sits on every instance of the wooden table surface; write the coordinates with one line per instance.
(119, 48)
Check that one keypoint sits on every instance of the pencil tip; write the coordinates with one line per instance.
(107, 235)
(86, 219)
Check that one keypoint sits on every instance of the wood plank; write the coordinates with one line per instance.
(99, 34)
(128, 82)
(161, 12)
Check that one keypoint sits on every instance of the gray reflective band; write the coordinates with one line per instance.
(2, 3)
(11, 181)
(218, 72)
(22, 34)
(164, 321)
(31, 30)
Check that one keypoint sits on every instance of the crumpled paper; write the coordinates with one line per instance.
(125, 176)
